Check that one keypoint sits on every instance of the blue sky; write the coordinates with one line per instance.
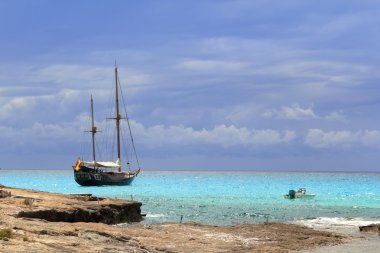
(261, 85)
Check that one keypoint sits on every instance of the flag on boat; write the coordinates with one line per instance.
(77, 165)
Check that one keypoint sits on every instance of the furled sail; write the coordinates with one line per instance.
(101, 164)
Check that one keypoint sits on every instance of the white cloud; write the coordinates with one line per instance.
(59, 87)
(225, 136)
(39, 132)
(371, 138)
(296, 112)
(334, 116)
(293, 112)
(51, 79)
(317, 138)
(329, 71)
(84, 76)
(23, 105)
(71, 133)
(239, 113)
(14, 105)
(212, 65)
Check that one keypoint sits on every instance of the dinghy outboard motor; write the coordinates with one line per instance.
(292, 194)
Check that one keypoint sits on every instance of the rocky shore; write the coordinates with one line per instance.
(34, 221)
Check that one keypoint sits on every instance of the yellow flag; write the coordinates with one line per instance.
(77, 165)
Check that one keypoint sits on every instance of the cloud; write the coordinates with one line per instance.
(335, 116)
(83, 76)
(296, 112)
(33, 108)
(293, 112)
(305, 70)
(344, 24)
(56, 93)
(212, 65)
(317, 138)
(52, 78)
(221, 135)
(39, 131)
(239, 113)
(48, 139)
(13, 105)
(371, 138)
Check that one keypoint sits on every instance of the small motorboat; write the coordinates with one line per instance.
(300, 194)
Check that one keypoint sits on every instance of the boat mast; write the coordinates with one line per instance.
(118, 116)
(93, 129)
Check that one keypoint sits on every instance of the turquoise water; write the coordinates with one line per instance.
(225, 197)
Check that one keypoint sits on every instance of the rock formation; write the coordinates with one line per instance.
(373, 228)
(4, 194)
(110, 213)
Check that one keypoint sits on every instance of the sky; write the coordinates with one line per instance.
(209, 85)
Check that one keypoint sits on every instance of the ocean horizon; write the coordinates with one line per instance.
(227, 197)
(221, 170)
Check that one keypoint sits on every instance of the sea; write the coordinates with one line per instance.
(227, 197)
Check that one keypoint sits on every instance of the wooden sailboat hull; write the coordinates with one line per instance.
(86, 176)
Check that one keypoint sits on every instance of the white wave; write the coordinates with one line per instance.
(155, 215)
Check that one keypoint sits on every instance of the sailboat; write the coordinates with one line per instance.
(97, 173)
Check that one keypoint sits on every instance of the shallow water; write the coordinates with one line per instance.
(226, 197)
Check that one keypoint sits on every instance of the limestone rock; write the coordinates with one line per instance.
(4, 194)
